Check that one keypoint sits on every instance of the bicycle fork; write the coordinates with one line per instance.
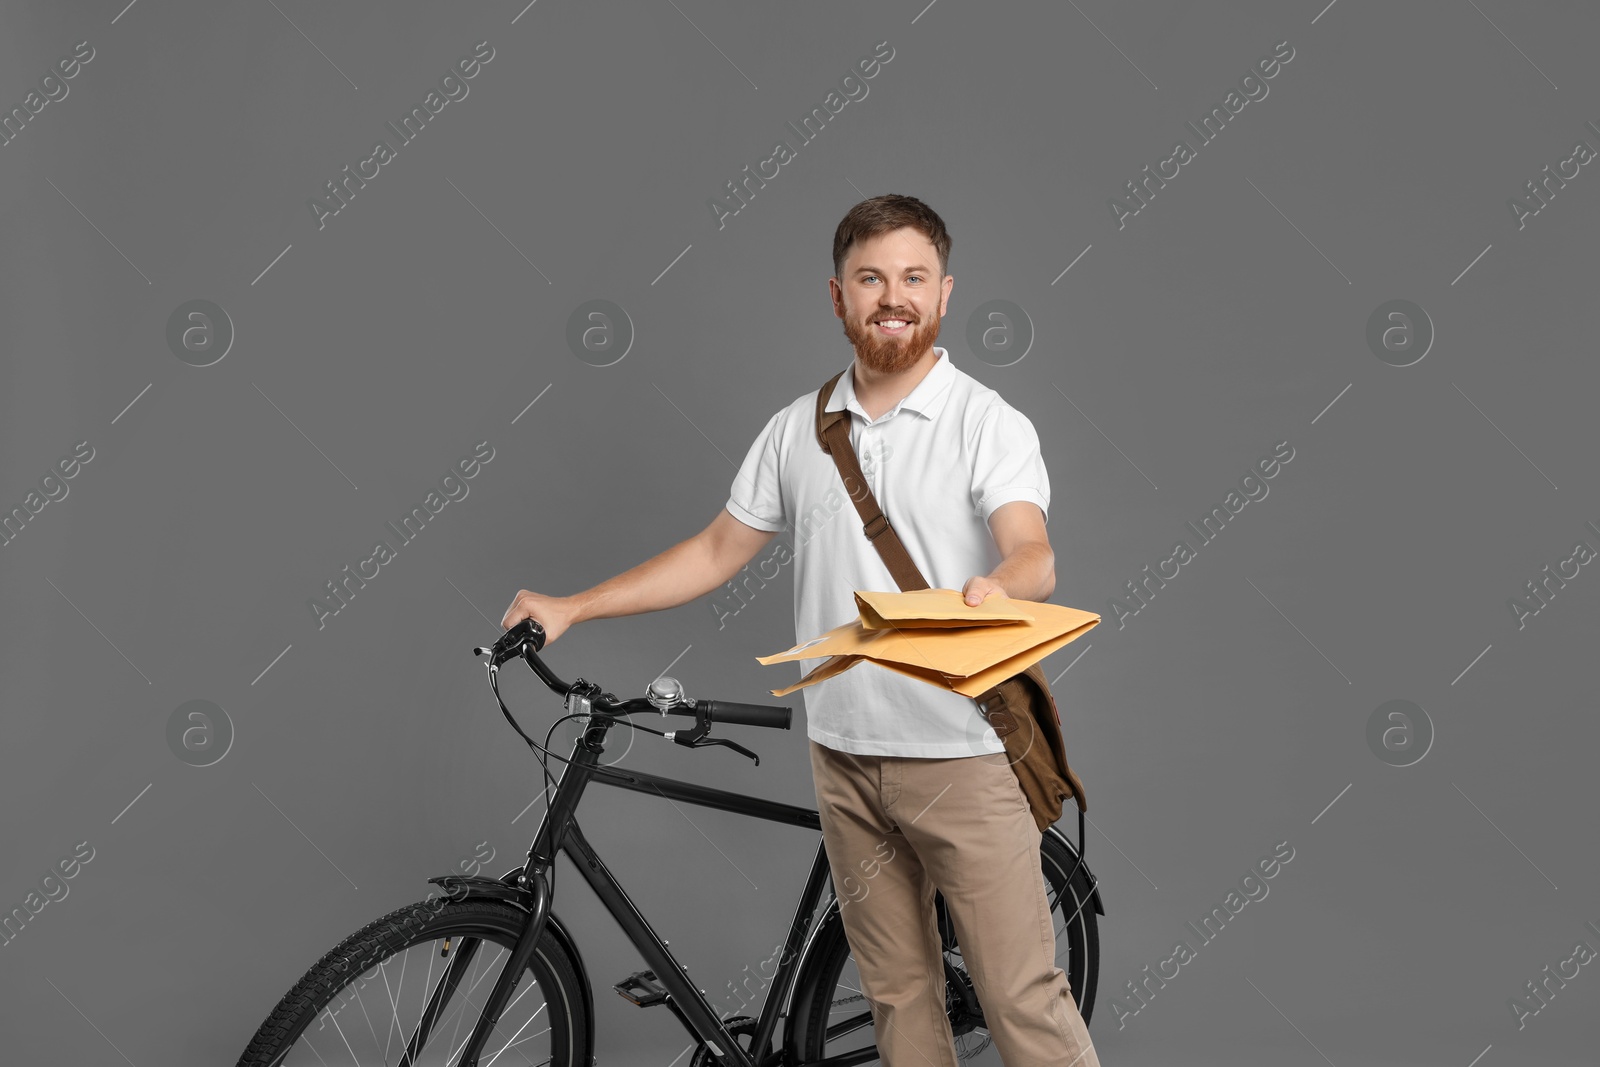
(516, 966)
(535, 884)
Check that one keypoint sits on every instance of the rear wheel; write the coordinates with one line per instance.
(418, 978)
(831, 1017)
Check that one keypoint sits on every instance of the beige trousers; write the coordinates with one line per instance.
(897, 828)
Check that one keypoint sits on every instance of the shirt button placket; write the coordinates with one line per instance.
(864, 449)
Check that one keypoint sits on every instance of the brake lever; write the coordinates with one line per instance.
(696, 737)
(702, 742)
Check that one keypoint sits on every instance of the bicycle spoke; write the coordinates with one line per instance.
(314, 1052)
(487, 971)
(340, 1031)
(368, 1018)
(523, 1027)
(423, 1026)
(514, 1036)
(466, 952)
(394, 1002)
(858, 1021)
(529, 986)
(849, 1026)
(530, 1037)
(466, 1000)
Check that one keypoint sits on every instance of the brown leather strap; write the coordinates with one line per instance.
(833, 435)
(827, 418)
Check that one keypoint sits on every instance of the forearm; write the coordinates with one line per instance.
(1029, 573)
(680, 574)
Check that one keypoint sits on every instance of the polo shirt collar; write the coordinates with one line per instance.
(926, 399)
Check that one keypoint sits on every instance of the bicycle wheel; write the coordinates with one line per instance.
(830, 1015)
(364, 1001)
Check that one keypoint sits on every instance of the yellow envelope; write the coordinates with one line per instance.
(934, 636)
(934, 607)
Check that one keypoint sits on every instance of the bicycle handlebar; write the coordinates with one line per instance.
(527, 637)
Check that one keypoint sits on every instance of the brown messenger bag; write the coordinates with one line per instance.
(1021, 709)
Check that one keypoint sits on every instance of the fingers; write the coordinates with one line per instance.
(551, 613)
(541, 609)
(521, 608)
(979, 589)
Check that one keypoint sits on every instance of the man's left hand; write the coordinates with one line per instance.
(978, 590)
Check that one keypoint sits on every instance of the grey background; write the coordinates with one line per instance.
(1227, 316)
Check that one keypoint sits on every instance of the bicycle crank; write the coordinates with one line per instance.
(738, 1026)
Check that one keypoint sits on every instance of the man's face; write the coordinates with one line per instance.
(891, 298)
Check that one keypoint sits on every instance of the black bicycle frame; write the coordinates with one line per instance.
(558, 832)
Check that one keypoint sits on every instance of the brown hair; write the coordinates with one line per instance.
(891, 211)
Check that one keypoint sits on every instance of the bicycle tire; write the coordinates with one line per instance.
(426, 923)
(819, 995)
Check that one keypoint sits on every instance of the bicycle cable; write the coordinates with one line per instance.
(544, 753)
(543, 750)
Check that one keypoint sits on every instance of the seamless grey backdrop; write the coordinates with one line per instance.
(1441, 860)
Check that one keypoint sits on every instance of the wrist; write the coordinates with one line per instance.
(577, 608)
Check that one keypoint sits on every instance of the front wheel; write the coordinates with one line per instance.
(415, 981)
(830, 1016)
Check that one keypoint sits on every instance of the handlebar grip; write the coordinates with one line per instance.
(748, 714)
(511, 643)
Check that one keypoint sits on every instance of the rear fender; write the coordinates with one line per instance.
(1094, 893)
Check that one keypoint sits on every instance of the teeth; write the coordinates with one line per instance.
(893, 324)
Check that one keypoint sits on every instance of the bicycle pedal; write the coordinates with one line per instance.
(641, 989)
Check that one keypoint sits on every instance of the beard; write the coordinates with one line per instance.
(890, 355)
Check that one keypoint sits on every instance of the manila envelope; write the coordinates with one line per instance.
(934, 607)
(933, 635)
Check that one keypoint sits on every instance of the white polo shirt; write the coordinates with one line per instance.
(939, 463)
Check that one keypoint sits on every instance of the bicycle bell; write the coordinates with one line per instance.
(664, 694)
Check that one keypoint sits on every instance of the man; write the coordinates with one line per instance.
(898, 762)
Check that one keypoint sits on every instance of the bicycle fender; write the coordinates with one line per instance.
(1094, 894)
(505, 888)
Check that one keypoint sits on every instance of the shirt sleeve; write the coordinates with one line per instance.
(1007, 464)
(756, 497)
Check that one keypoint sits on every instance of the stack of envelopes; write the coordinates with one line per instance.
(934, 635)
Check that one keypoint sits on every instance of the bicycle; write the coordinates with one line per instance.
(814, 988)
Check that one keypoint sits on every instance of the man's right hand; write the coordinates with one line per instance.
(553, 613)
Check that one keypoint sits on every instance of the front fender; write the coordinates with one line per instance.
(505, 888)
